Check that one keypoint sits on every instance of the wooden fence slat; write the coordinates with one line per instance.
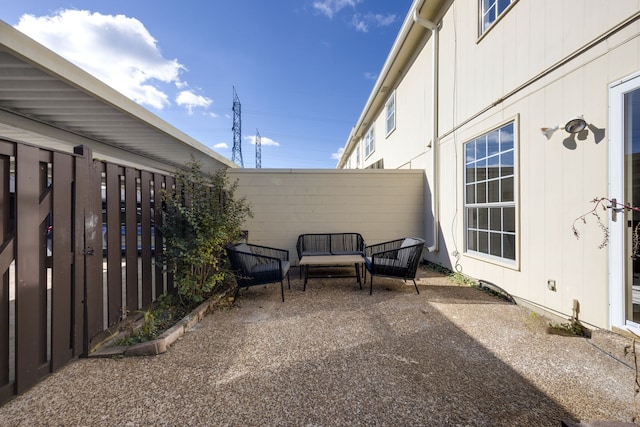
(171, 186)
(145, 237)
(114, 244)
(29, 321)
(6, 256)
(131, 253)
(158, 181)
(61, 288)
(93, 250)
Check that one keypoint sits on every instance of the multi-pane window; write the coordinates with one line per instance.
(490, 10)
(490, 204)
(369, 142)
(390, 113)
(377, 165)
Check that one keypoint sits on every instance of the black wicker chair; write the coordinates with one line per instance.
(258, 265)
(396, 258)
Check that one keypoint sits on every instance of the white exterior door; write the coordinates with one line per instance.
(624, 187)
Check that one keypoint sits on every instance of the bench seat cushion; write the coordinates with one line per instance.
(346, 253)
(315, 253)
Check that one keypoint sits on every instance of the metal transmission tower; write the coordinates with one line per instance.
(236, 154)
(258, 150)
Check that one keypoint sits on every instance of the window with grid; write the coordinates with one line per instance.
(490, 205)
(490, 10)
(390, 112)
(369, 143)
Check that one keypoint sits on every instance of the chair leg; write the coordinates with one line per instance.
(416, 285)
(288, 280)
(371, 286)
(282, 289)
(235, 295)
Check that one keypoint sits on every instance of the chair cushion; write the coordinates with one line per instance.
(243, 247)
(247, 262)
(387, 262)
(409, 242)
(270, 269)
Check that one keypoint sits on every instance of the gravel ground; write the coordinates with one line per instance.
(335, 356)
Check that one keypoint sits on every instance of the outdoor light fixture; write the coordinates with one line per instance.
(574, 125)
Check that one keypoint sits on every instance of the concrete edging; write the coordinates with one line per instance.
(165, 340)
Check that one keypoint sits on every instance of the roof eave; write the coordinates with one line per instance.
(399, 55)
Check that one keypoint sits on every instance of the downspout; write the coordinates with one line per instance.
(435, 195)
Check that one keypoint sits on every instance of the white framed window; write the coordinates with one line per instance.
(390, 113)
(357, 155)
(490, 11)
(369, 142)
(490, 194)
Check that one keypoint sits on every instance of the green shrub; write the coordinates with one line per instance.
(201, 217)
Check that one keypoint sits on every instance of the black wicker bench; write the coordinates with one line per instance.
(327, 245)
(330, 244)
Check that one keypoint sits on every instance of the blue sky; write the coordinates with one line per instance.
(303, 69)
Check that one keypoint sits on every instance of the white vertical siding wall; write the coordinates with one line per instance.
(510, 73)
(405, 146)
(557, 178)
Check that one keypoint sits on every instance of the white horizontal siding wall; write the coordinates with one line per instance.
(379, 204)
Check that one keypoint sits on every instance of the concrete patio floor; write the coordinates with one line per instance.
(335, 356)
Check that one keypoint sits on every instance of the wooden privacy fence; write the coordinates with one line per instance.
(79, 252)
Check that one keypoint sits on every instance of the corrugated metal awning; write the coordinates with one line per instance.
(46, 100)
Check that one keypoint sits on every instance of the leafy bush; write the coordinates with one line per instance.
(201, 217)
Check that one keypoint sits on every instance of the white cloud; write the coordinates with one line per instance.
(364, 22)
(331, 7)
(384, 21)
(370, 76)
(221, 145)
(188, 99)
(361, 22)
(264, 141)
(338, 155)
(114, 48)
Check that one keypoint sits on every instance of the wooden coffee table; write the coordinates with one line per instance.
(331, 261)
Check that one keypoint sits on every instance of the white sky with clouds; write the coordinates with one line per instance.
(303, 69)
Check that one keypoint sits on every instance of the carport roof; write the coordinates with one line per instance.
(46, 100)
